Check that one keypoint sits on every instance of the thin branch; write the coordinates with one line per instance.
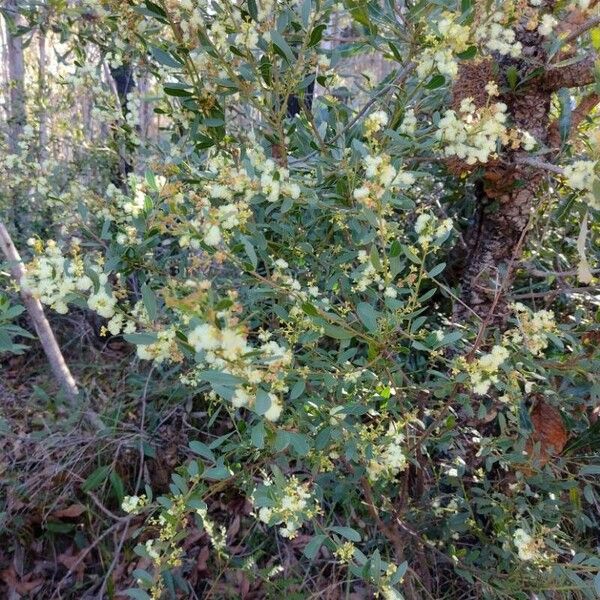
(406, 70)
(539, 164)
(532, 270)
(573, 74)
(590, 290)
(587, 25)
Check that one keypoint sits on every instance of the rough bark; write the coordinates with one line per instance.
(577, 73)
(495, 242)
(509, 188)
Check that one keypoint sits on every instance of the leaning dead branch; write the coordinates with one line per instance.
(59, 367)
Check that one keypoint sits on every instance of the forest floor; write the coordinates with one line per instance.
(63, 533)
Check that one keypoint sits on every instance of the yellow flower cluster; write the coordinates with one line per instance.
(292, 505)
(56, 279)
(533, 328)
(449, 37)
(388, 457)
(381, 176)
(133, 504)
(581, 176)
(224, 346)
(483, 372)
(528, 547)
(474, 133)
(428, 228)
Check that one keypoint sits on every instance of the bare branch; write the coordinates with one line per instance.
(574, 74)
(578, 31)
(402, 75)
(539, 164)
(45, 334)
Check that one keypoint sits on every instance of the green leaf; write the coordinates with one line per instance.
(311, 549)
(219, 378)
(164, 58)
(263, 402)
(399, 573)
(137, 594)
(347, 532)
(525, 423)
(595, 38)
(512, 77)
(140, 339)
(411, 255)
(297, 389)
(375, 569)
(192, 468)
(154, 8)
(258, 434)
(417, 324)
(6, 342)
(597, 583)
(299, 442)
(144, 576)
(374, 256)
(282, 47)
(117, 485)
(252, 10)
(590, 470)
(95, 479)
(218, 472)
(395, 52)
(172, 90)
(564, 120)
(13, 311)
(310, 310)
(435, 82)
(213, 122)
(58, 527)
(468, 54)
(305, 12)
(596, 190)
(149, 300)
(437, 270)
(316, 35)
(202, 450)
(282, 440)
(450, 338)
(249, 248)
(368, 315)
(337, 333)
(360, 14)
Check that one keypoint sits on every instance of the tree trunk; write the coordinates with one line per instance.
(43, 113)
(507, 191)
(495, 242)
(16, 74)
(17, 116)
(124, 80)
